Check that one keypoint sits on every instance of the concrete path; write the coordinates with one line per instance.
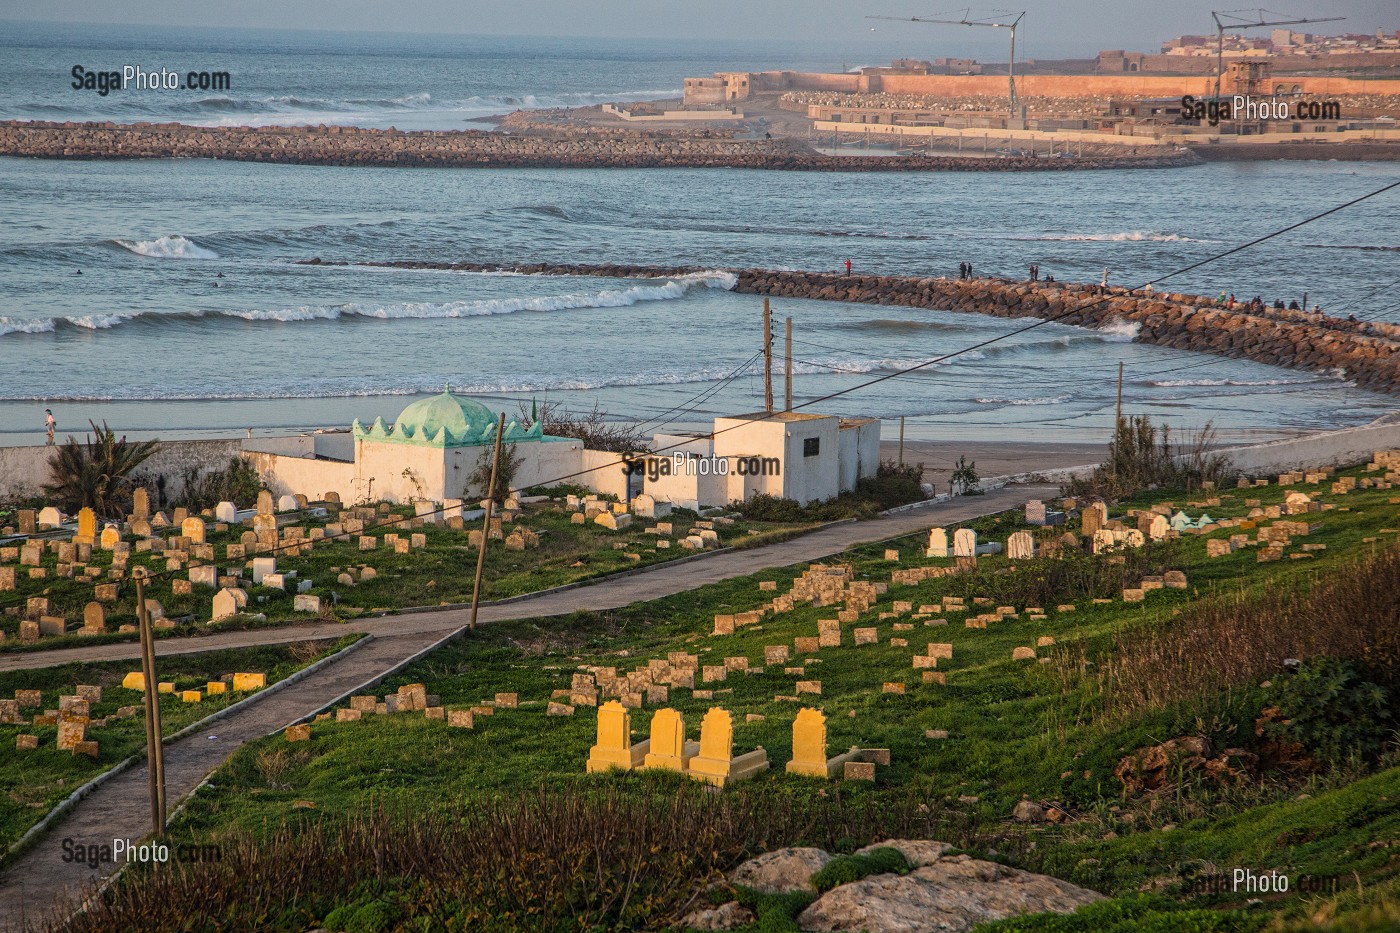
(608, 593)
(120, 808)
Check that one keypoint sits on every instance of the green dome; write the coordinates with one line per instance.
(460, 416)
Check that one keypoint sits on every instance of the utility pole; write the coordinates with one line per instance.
(787, 367)
(767, 358)
(1254, 22)
(1117, 420)
(901, 440)
(1014, 100)
(155, 749)
(486, 520)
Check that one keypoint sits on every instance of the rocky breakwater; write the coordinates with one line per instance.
(349, 146)
(1185, 322)
(1368, 354)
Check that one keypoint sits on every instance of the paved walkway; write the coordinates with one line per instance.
(608, 593)
(120, 808)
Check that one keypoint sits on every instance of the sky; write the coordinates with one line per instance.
(1052, 28)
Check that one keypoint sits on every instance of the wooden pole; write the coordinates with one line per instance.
(1117, 420)
(787, 370)
(767, 357)
(486, 520)
(901, 440)
(155, 750)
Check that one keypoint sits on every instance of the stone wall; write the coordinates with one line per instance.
(24, 470)
(1367, 353)
(349, 146)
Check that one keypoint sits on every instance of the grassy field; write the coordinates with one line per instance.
(439, 573)
(1051, 732)
(32, 782)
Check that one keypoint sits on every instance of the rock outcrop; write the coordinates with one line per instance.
(782, 871)
(951, 895)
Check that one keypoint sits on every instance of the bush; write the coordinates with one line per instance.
(1332, 711)
(238, 483)
(847, 868)
(1150, 912)
(893, 484)
(1142, 456)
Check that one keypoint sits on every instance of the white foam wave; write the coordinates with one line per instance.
(1126, 236)
(608, 298)
(1178, 383)
(1119, 331)
(1005, 400)
(168, 247)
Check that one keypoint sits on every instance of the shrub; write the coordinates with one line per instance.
(238, 483)
(1332, 711)
(893, 484)
(1142, 456)
(965, 480)
(847, 868)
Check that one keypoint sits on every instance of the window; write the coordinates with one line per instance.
(811, 446)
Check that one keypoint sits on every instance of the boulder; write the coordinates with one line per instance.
(782, 871)
(950, 896)
(729, 916)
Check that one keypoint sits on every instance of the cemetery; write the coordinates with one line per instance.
(63, 726)
(289, 559)
(1090, 690)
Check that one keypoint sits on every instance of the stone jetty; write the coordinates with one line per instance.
(1367, 353)
(350, 146)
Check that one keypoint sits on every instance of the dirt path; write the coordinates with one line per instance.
(41, 879)
(608, 593)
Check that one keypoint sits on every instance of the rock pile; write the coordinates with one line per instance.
(351, 146)
(1365, 353)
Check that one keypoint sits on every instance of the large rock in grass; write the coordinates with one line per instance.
(949, 896)
(729, 916)
(782, 871)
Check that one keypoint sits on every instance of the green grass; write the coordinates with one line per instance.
(32, 782)
(440, 573)
(1016, 729)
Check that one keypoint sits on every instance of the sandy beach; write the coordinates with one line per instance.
(992, 458)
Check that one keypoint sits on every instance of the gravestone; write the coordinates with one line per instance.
(937, 543)
(809, 744)
(614, 748)
(28, 522)
(1159, 526)
(964, 543)
(264, 502)
(1020, 545)
(226, 512)
(1035, 512)
(87, 527)
(140, 504)
(227, 604)
(262, 567)
(193, 528)
(110, 538)
(94, 618)
(49, 517)
(716, 763)
(287, 503)
(669, 750)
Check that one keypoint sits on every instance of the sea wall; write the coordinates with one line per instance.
(1366, 353)
(24, 470)
(348, 146)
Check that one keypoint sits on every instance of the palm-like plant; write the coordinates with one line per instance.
(97, 472)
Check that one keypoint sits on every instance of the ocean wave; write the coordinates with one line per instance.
(168, 247)
(1126, 236)
(1006, 400)
(1178, 383)
(1119, 331)
(672, 289)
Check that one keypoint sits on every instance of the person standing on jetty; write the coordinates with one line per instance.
(848, 267)
(50, 424)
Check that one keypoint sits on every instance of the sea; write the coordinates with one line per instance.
(167, 299)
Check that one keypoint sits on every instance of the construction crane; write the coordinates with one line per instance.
(1255, 22)
(987, 20)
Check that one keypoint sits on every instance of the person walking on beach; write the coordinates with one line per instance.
(848, 267)
(50, 424)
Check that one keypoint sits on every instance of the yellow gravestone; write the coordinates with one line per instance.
(87, 527)
(669, 749)
(809, 747)
(716, 763)
(615, 748)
